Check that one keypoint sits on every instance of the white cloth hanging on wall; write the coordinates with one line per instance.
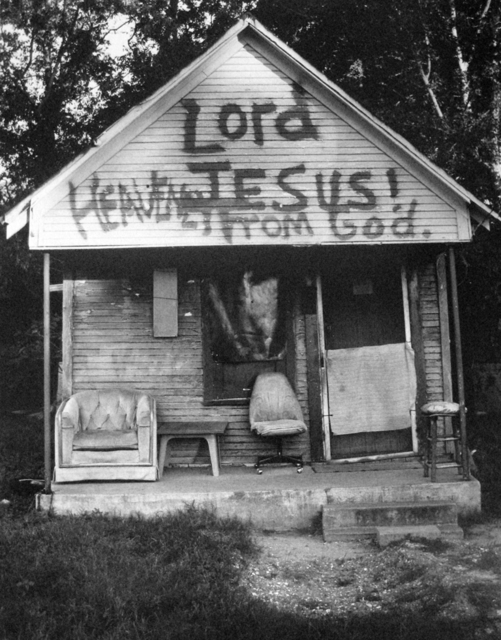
(371, 388)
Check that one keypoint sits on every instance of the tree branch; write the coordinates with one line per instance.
(57, 63)
(463, 65)
(425, 76)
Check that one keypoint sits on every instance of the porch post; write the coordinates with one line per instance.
(459, 364)
(46, 344)
(326, 422)
(445, 338)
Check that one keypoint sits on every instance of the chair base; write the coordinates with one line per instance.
(279, 458)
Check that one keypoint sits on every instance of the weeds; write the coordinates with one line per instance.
(182, 577)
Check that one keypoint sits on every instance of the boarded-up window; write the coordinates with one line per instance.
(165, 323)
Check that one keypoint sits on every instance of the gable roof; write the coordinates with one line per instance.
(246, 31)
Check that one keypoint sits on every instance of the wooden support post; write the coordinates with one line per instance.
(46, 343)
(459, 364)
(445, 337)
(314, 388)
(418, 346)
(408, 340)
(326, 422)
(67, 340)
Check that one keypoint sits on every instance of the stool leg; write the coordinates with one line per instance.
(212, 444)
(433, 444)
(427, 452)
(464, 445)
(457, 444)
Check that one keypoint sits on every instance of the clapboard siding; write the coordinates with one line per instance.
(158, 190)
(113, 346)
(430, 322)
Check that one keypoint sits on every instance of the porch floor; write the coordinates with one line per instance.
(278, 500)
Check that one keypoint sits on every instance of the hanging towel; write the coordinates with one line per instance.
(371, 388)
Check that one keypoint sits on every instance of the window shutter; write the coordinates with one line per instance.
(165, 324)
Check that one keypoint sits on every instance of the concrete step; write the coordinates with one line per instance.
(387, 535)
(354, 520)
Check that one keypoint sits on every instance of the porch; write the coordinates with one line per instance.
(278, 500)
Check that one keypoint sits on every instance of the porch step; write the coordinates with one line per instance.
(387, 535)
(350, 521)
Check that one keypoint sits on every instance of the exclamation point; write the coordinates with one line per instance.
(391, 174)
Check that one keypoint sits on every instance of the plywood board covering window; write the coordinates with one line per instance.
(165, 304)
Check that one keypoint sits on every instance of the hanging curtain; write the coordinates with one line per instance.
(246, 315)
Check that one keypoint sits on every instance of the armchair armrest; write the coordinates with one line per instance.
(146, 420)
(67, 424)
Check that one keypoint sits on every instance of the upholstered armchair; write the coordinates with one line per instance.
(106, 435)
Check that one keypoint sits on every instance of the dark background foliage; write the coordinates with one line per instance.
(430, 69)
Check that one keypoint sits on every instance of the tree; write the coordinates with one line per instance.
(430, 69)
(55, 79)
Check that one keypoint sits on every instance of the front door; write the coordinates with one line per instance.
(370, 374)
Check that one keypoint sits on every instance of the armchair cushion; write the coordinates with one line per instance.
(279, 427)
(104, 440)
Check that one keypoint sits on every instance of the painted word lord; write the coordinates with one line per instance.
(222, 194)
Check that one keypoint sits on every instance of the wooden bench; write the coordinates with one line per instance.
(206, 429)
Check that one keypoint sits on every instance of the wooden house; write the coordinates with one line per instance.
(250, 216)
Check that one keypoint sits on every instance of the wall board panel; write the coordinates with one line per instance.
(249, 157)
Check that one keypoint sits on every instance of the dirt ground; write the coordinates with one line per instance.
(301, 573)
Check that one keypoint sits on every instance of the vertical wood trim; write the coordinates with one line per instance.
(405, 298)
(290, 352)
(46, 342)
(314, 387)
(67, 335)
(418, 346)
(326, 422)
(408, 340)
(459, 363)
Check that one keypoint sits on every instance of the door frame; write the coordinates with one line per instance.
(324, 385)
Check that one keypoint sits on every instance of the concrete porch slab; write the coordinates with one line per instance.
(278, 500)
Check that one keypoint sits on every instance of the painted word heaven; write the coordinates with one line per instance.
(217, 187)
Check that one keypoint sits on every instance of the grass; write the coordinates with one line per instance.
(104, 577)
(172, 578)
(180, 577)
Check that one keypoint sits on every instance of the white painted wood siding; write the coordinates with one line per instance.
(113, 346)
(280, 177)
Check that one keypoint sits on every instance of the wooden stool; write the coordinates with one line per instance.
(208, 430)
(433, 411)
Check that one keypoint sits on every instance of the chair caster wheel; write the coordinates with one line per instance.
(300, 470)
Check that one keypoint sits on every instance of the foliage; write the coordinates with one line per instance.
(99, 577)
(182, 576)
(430, 69)
(55, 78)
